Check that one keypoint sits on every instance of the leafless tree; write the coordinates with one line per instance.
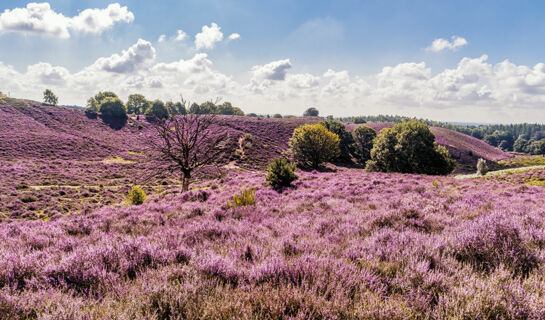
(185, 143)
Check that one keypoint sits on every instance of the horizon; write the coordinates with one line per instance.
(455, 62)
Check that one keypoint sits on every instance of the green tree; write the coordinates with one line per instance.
(409, 147)
(280, 173)
(277, 116)
(158, 110)
(311, 112)
(50, 98)
(347, 141)
(175, 108)
(101, 96)
(228, 109)
(113, 108)
(313, 144)
(92, 106)
(363, 143)
(137, 104)
(520, 144)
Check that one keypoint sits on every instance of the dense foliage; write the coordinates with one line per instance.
(313, 144)
(363, 143)
(280, 173)
(112, 108)
(311, 112)
(346, 144)
(137, 104)
(136, 195)
(409, 147)
(157, 111)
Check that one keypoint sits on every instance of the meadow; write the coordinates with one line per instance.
(341, 243)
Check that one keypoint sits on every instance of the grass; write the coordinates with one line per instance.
(117, 160)
(528, 161)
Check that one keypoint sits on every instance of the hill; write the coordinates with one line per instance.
(466, 150)
(31, 130)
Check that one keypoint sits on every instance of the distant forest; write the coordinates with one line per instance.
(523, 137)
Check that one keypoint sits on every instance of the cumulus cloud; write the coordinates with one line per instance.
(233, 36)
(514, 92)
(129, 60)
(162, 38)
(441, 44)
(39, 18)
(208, 37)
(275, 70)
(180, 35)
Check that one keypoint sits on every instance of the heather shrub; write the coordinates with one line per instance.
(492, 241)
(113, 108)
(409, 147)
(346, 143)
(363, 143)
(136, 195)
(313, 144)
(245, 198)
(482, 168)
(281, 173)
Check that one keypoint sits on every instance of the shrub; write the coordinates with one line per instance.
(157, 111)
(136, 196)
(281, 173)
(482, 168)
(277, 116)
(311, 112)
(245, 198)
(113, 108)
(363, 143)
(92, 106)
(409, 147)
(313, 144)
(346, 140)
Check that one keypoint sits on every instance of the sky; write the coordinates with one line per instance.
(466, 61)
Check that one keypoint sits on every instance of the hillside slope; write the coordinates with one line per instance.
(29, 129)
(466, 150)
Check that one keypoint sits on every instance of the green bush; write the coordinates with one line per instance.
(313, 144)
(137, 104)
(346, 144)
(158, 110)
(363, 143)
(277, 116)
(113, 108)
(245, 198)
(409, 147)
(281, 173)
(136, 196)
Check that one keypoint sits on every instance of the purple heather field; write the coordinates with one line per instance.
(337, 244)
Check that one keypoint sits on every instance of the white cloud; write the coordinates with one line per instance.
(162, 38)
(275, 70)
(129, 60)
(502, 91)
(233, 36)
(441, 44)
(39, 18)
(208, 37)
(180, 35)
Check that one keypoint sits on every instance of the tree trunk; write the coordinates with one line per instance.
(185, 181)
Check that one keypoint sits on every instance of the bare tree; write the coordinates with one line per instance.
(185, 143)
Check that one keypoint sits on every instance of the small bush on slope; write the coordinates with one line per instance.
(280, 173)
(313, 144)
(409, 147)
(245, 198)
(137, 196)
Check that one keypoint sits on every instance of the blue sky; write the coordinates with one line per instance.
(344, 57)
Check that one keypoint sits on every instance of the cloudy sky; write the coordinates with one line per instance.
(472, 61)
